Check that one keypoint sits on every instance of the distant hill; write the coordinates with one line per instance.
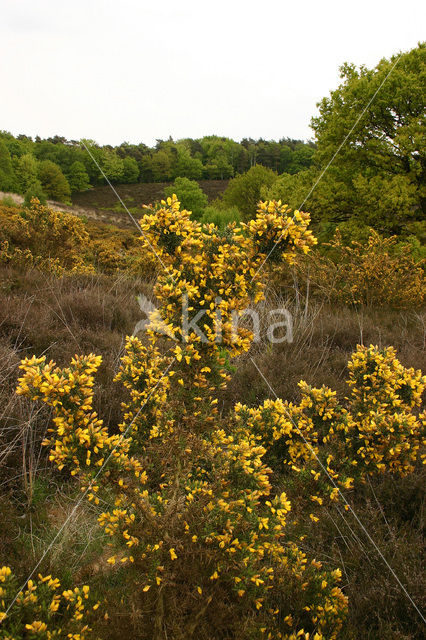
(135, 195)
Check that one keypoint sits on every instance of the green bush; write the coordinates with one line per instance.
(244, 191)
(35, 190)
(53, 181)
(190, 195)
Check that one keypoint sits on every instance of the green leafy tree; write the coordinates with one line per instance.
(386, 148)
(285, 158)
(301, 158)
(112, 165)
(26, 170)
(53, 181)
(78, 178)
(146, 172)
(34, 190)
(382, 195)
(244, 191)
(187, 166)
(221, 156)
(7, 174)
(130, 170)
(162, 166)
(332, 200)
(219, 168)
(92, 164)
(189, 194)
(377, 179)
(16, 147)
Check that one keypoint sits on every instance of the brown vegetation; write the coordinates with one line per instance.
(138, 194)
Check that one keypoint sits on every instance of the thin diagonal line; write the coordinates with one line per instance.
(344, 499)
(83, 495)
(335, 154)
(123, 204)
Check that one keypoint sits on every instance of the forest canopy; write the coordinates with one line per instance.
(209, 158)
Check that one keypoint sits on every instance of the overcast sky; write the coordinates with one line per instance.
(138, 70)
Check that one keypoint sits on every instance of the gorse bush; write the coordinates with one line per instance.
(42, 610)
(60, 243)
(377, 271)
(40, 237)
(200, 533)
(194, 514)
(379, 430)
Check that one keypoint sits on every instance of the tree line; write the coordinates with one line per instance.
(56, 167)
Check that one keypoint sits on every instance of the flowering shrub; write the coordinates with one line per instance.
(41, 610)
(194, 516)
(114, 249)
(201, 535)
(24, 259)
(198, 523)
(40, 237)
(330, 446)
(60, 243)
(387, 433)
(374, 272)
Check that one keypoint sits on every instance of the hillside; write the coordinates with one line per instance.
(135, 195)
(102, 205)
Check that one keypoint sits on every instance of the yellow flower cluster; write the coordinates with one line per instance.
(193, 514)
(279, 236)
(209, 277)
(24, 259)
(60, 243)
(81, 442)
(41, 610)
(332, 446)
(144, 373)
(386, 432)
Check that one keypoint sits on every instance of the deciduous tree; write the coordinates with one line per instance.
(53, 181)
(189, 194)
(7, 174)
(78, 178)
(244, 191)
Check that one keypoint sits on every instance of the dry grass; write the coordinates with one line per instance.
(392, 512)
(324, 336)
(40, 314)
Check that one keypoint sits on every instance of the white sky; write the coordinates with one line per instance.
(137, 70)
